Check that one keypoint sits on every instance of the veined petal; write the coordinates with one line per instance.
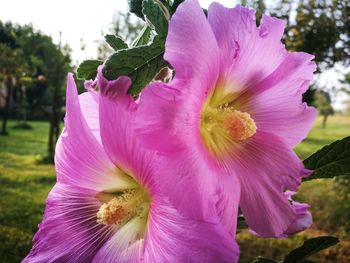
(248, 53)
(172, 238)
(117, 113)
(228, 201)
(160, 122)
(185, 171)
(275, 168)
(276, 102)
(80, 158)
(69, 231)
(125, 246)
(89, 108)
(191, 46)
(303, 218)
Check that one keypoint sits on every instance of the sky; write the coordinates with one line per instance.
(83, 21)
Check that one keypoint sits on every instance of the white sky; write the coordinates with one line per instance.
(77, 19)
(82, 22)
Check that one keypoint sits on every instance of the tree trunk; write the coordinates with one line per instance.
(54, 123)
(324, 122)
(8, 84)
(23, 106)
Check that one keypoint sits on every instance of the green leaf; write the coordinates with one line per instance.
(332, 160)
(310, 247)
(156, 16)
(88, 69)
(141, 64)
(135, 6)
(115, 42)
(263, 260)
(143, 38)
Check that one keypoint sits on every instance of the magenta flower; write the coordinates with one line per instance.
(235, 108)
(303, 219)
(108, 204)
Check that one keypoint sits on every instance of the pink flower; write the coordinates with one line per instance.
(109, 204)
(234, 110)
(303, 219)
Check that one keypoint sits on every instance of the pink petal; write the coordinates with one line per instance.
(228, 201)
(276, 102)
(117, 113)
(303, 219)
(190, 46)
(158, 109)
(89, 108)
(183, 240)
(69, 231)
(198, 192)
(125, 246)
(266, 166)
(80, 159)
(248, 54)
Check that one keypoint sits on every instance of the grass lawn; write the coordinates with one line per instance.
(24, 184)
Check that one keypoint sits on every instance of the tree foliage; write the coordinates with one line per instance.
(43, 65)
(323, 103)
(319, 27)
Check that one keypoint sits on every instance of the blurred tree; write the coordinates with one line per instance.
(319, 27)
(46, 65)
(324, 105)
(127, 26)
(346, 83)
(309, 95)
(12, 67)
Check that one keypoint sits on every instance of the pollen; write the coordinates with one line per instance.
(239, 125)
(111, 213)
(122, 208)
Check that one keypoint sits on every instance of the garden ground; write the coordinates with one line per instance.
(24, 184)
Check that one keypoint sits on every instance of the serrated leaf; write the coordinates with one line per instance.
(115, 42)
(332, 160)
(155, 16)
(143, 38)
(135, 6)
(88, 69)
(310, 247)
(141, 64)
(263, 260)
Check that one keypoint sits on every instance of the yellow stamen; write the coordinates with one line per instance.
(111, 213)
(122, 208)
(224, 127)
(239, 125)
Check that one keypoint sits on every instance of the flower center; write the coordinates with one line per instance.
(224, 127)
(124, 207)
(239, 125)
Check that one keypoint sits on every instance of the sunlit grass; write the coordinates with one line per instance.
(24, 185)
